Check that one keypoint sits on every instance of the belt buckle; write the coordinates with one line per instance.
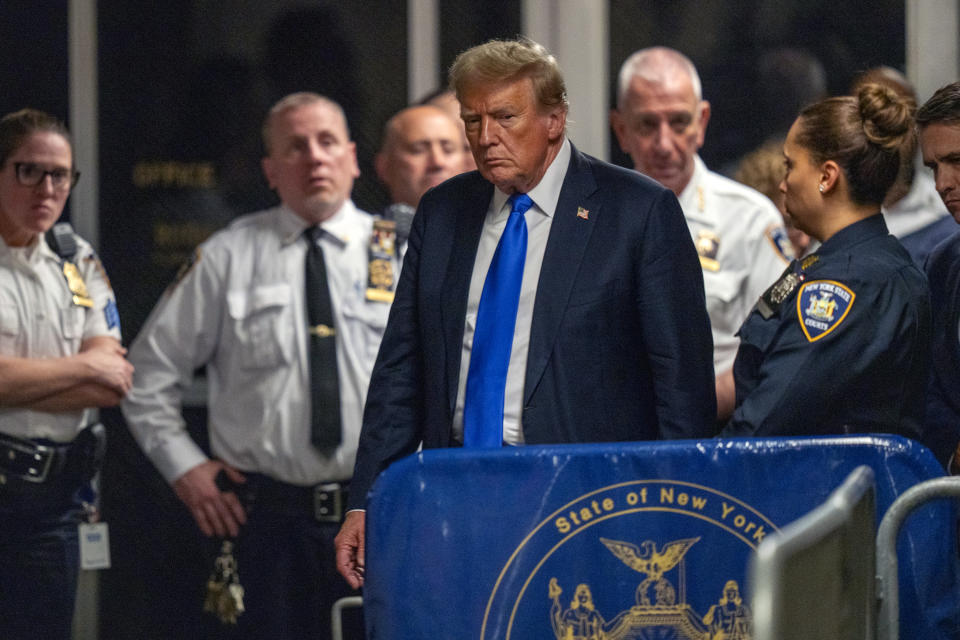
(328, 502)
(38, 453)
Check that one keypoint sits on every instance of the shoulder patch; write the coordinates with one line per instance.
(92, 257)
(821, 306)
(186, 268)
(778, 237)
(111, 314)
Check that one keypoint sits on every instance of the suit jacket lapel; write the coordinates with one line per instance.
(470, 215)
(569, 234)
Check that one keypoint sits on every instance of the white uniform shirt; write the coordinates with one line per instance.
(921, 206)
(743, 249)
(539, 219)
(241, 311)
(38, 319)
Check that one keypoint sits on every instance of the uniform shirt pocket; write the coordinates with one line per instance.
(262, 324)
(72, 319)
(9, 328)
(723, 287)
(367, 320)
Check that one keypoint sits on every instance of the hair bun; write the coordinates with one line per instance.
(887, 117)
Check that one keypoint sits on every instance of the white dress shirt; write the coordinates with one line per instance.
(39, 319)
(240, 310)
(539, 218)
(920, 207)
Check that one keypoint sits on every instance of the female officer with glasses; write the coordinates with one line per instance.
(60, 355)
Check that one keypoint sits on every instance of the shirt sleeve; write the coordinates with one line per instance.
(103, 318)
(805, 374)
(767, 261)
(179, 336)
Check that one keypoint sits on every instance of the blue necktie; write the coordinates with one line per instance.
(493, 337)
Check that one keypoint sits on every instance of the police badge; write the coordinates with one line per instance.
(76, 285)
(708, 244)
(769, 303)
(383, 248)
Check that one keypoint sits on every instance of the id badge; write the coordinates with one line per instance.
(94, 545)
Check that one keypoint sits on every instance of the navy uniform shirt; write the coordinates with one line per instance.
(839, 344)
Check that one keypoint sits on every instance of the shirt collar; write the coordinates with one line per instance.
(691, 198)
(546, 193)
(38, 249)
(337, 227)
(850, 235)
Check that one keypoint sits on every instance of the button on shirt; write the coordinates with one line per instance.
(539, 218)
(38, 319)
(240, 310)
(743, 247)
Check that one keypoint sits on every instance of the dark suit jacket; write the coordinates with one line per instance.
(620, 344)
(941, 431)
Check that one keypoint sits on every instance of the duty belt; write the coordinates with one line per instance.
(38, 462)
(326, 502)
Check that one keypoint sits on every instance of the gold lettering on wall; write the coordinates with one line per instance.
(169, 174)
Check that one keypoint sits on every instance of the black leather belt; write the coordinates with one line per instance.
(40, 461)
(326, 502)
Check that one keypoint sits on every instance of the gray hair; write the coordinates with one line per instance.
(656, 65)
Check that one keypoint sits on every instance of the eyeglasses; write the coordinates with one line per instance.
(30, 175)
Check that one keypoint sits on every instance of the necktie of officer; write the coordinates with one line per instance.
(324, 382)
(493, 337)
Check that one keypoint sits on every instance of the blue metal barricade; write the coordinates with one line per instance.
(634, 539)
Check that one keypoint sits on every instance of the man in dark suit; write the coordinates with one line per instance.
(607, 336)
(938, 121)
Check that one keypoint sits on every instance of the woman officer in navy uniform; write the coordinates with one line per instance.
(839, 343)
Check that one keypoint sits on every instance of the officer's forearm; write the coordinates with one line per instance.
(27, 380)
(81, 396)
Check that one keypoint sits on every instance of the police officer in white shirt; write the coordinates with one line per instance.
(660, 121)
(60, 356)
(240, 309)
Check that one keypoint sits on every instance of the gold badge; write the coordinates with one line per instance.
(383, 248)
(76, 285)
(708, 244)
(583, 213)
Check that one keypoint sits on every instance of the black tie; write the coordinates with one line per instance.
(324, 384)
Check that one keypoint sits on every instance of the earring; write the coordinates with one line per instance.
(821, 188)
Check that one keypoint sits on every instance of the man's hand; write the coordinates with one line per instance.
(726, 395)
(216, 512)
(349, 545)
